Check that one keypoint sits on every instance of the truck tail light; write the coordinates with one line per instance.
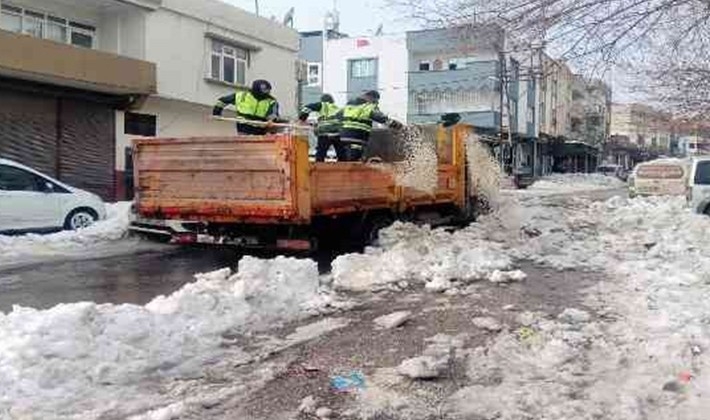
(184, 238)
(293, 244)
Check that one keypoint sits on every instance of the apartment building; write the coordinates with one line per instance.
(161, 65)
(311, 55)
(61, 88)
(555, 98)
(456, 70)
(642, 125)
(355, 65)
(590, 113)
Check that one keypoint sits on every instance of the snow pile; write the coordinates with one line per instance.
(409, 253)
(113, 228)
(535, 372)
(86, 360)
(419, 170)
(651, 362)
(570, 183)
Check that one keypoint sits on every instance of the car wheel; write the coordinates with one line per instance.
(80, 218)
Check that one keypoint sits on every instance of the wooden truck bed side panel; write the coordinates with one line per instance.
(345, 187)
(237, 179)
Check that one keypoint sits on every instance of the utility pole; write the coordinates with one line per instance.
(500, 125)
(256, 7)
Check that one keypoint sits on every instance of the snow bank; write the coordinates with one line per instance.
(649, 361)
(421, 255)
(570, 183)
(113, 228)
(84, 360)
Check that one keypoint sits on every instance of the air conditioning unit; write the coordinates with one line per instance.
(301, 70)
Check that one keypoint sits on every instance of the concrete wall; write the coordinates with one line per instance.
(178, 39)
(124, 33)
(391, 52)
(174, 119)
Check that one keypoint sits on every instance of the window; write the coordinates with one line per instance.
(228, 63)
(41, 25)
(11, 18)
(57, 29)
(16, 179)
(702, 173)
(140, 124)
(363, 68)
(82, 35)
(33, 24)
(424, 66)
(313, 74)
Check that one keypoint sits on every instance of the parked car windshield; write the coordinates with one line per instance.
(702, 173)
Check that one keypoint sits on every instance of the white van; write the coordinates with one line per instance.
(660, 177)
(699, 185)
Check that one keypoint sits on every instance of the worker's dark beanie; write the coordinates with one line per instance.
(373, 94)
(327, 98)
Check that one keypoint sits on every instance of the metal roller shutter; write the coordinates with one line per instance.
(28, 130)
(87, 146)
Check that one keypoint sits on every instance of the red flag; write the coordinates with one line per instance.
(362, 43)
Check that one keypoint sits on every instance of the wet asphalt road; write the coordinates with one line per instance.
(133, 278)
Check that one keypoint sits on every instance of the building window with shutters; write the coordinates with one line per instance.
(140, 124)
(228, 63)
(44, 25)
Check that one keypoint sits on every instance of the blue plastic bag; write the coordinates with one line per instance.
(354, 381)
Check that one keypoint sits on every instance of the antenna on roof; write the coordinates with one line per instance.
(288, 19)
(332, 19)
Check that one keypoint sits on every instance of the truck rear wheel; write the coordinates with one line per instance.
(373, 226)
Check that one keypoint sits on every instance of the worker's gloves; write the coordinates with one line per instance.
(395, 125)
(217, 111)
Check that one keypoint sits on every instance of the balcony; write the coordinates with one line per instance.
(38, 60)
(479, 75)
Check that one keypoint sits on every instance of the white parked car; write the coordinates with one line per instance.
(31, 201)
(699, 185)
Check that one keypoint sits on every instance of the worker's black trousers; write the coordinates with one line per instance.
(324, 143)
(354, 150)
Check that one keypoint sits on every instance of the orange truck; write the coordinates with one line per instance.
(266, 192)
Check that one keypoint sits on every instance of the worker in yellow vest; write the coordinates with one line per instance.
(357, 117)
(255, 104)
(328, 128)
